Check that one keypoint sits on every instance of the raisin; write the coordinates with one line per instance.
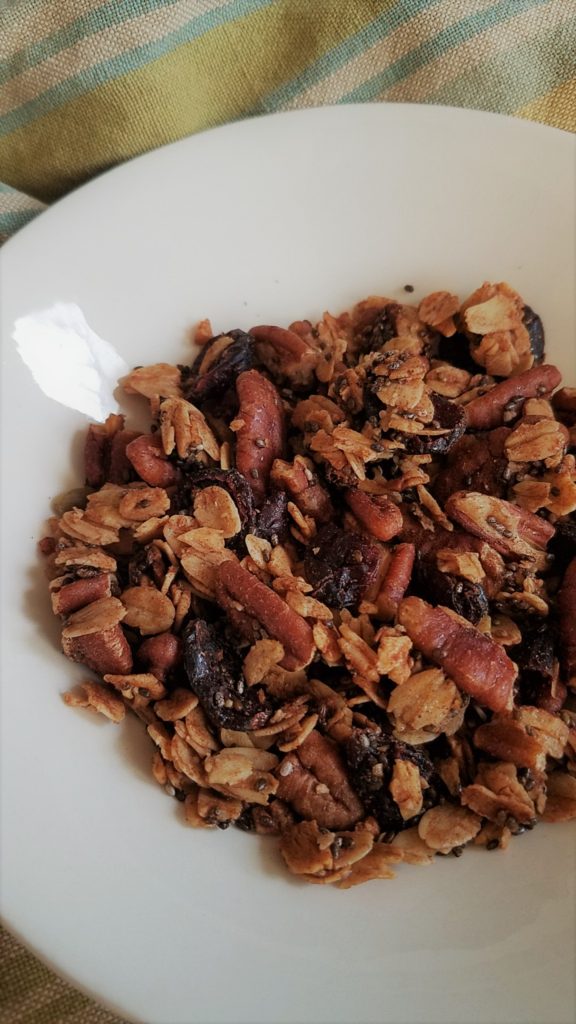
(340, 566)
(213, 668)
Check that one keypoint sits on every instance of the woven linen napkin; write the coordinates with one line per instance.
(86, 84)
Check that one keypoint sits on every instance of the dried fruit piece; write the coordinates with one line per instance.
(340, 566)
(475, 663)
(466, 599)
(218, 365)
(371, 756)
(214, 673)
(260, 438)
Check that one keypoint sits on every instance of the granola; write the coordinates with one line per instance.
(336, 580)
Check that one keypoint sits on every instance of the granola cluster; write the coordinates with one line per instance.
(336, 580)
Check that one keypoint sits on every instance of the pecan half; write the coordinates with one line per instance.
(285, 352)
(567, 611)
(260, 438)
(274, 615)
(476, 663)
(509, 529)
(488, 410)
(380, 516)
(313, 780)
(146, 455)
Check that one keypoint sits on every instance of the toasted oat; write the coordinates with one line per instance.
(445, 827)
(98, 698)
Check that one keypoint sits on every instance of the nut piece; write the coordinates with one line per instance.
(445, 827)
(299, 480)
(161, 654)
(271, 611)
(476, 663)
(487, 411)
(262, 418)
(72, 596)
(313, 780)
(396, 581)
(509, 529)
(107, 651)
(147, 457)
(380, 516)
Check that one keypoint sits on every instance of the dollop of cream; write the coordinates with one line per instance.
(68, 360)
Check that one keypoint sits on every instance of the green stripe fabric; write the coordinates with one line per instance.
(131, 60)
(517, 77)
(469, 26)
(392, 17)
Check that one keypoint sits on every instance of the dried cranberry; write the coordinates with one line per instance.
(370, 756)
(199, 387)
(448, 416)
(340, 566)
(213, 668)
(465, 598)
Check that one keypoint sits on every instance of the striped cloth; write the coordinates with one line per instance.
(85, 84)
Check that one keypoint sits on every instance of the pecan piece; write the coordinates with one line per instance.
(274, 615)
(509, 529)
(567, 611)
(79, 593)
(396, 581)
(313, 780)
(161, 654)
(300, 481)
(260, 438)
(146, 455)
(488, 410)
(380, 516)
(476, 663)
(106, 651)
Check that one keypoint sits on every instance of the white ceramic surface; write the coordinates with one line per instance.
(268, 220)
